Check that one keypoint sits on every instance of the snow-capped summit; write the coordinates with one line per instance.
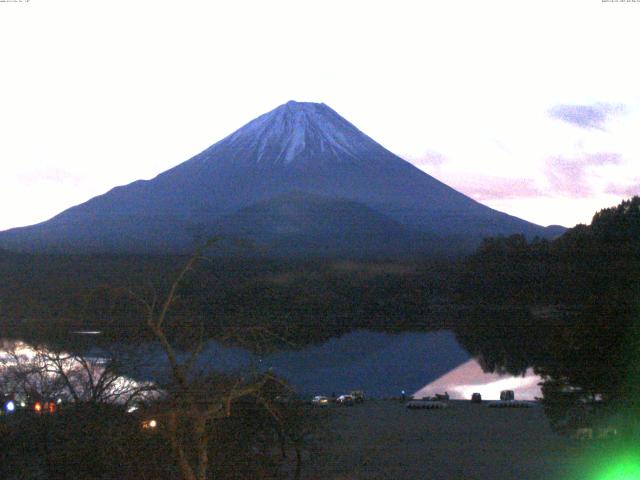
(300, 133)
(349, 192)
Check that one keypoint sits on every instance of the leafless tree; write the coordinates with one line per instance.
(195, 400)
(39, 372)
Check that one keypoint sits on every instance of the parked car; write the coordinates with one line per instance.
(507, 395)
(476, 398)
(320, 401)
(347, 400)
(358, 396)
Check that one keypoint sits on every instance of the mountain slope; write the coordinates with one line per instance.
(301, 147)
(298, 223)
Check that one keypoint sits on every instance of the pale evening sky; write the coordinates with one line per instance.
(532, 108)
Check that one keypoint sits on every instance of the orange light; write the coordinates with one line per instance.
(50, 407)
(37, 407)
(149, 424)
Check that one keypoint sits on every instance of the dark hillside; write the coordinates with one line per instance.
(48, 296)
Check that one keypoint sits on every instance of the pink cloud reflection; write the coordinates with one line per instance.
(469, 378)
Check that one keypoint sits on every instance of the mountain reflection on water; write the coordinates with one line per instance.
(381, 364)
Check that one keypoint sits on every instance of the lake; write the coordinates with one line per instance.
(381, 364)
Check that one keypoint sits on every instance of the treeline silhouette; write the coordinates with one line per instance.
(570, 308)
(47, 296)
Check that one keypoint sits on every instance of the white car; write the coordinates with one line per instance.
(345, 400)
(320, 401)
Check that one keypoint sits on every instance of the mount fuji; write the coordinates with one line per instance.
(299, 179)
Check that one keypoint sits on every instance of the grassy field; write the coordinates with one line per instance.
(385, 440)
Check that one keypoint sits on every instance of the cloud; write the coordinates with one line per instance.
(586, 116)
(50, 175)
(600, 158)
(578, 176)
(569, 176)
(430, 158)
(485, 187)
(624, 190)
